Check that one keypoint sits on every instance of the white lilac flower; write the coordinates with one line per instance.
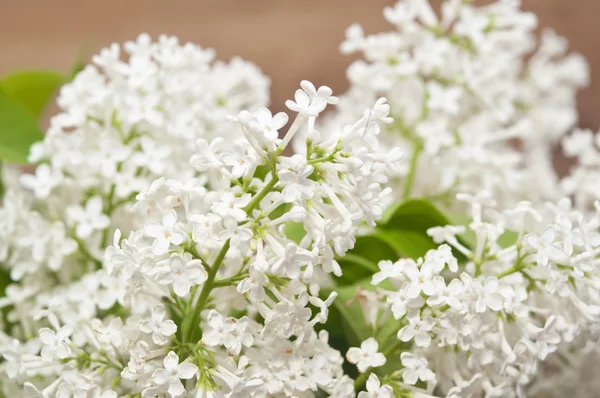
(367, 356)
(420, 279)
(487, 295)
(375, 389)
(415, 369)
(55, 344)
(417, 329)
(165, 233)
(183, 273)
(158, 326)
(544, 246)
(464, 83)
(172, 374)
(73, 384)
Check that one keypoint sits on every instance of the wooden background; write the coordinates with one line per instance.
(290, 40)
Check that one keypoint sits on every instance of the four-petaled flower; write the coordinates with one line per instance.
(417, 329)
(229, 332)
(158, 326)
(366, 356)
(231, 206)
(487, 295)
(544, 247)
(55, 343)
(165, 234)
(420, 279)
(305, 105)
(415, 368)
(375, 389)
(184, 271)
(173, 373)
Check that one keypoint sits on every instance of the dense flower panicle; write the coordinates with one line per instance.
(253, 225)
(123, 124)
(132, 116)
(119, 130)
(524, 303)
(464, 88)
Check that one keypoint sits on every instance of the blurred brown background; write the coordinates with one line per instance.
(290, 40)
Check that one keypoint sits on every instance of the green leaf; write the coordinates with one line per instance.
(354, 268)
(373, 248)
(18, 130)
(404, 227)
(407, 243)
(32, 89)
(402, 233)
(4, 282)
(347, 315)
(261, 172)
(413, 214)
(361, 262)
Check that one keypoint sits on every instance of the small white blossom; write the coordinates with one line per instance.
(166, 233)
(417, 329)
(366, 356)
(375, 389)
(158, 326)
(415, 369)
(421, 279)
(55, 343)
(544, 246)
(184, 272)
(173, 373)
(487, 295)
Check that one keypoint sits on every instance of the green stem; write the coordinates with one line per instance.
(113, 205)
(323, 159)
(410, 178)
(261, 195)
(210, 283)
(516, 268)
(85, 357)
(229, 281)
(205, 292)
(192, 250)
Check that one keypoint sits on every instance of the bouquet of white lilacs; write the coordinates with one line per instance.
(237, 270)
